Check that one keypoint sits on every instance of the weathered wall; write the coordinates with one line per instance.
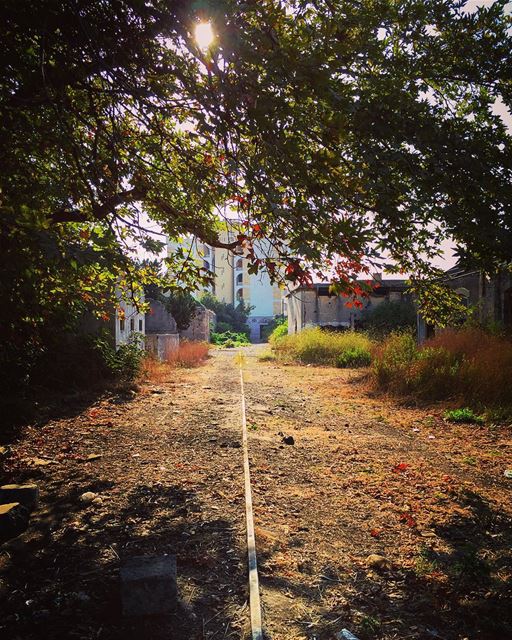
(162, 345)
(159, 320)
(200, 326)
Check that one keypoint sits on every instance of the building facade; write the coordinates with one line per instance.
(234, 284)
(316, 306)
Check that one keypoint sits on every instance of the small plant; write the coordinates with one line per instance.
(267, 356)
(278, 333)
(464, 415)
(124, 362)
(355, 357)
(229, 339)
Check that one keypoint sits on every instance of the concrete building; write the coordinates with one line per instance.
(490, 299)
(316, 306)
(233, 283)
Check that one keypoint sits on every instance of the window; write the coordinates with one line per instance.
(239, 264)
(140, 324)
(132, 325)
(239, 278)
(121, 324)
(206, 265)
(240, 294)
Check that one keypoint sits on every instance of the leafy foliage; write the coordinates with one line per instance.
(230, 317)
(337, 129)
(229, 339)
(279, 332)
(389, 316)
(354, 357)
(465, 414)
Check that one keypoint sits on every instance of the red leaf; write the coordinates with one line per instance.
(401, 466)
(408, 519)
(375, 533)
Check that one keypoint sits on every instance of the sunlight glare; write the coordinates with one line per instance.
(204, 35)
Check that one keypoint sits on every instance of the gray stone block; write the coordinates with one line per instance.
(148, 585)
(25, 494)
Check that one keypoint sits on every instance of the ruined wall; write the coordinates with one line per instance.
(159, 320)
(200, 326)
(162, 345)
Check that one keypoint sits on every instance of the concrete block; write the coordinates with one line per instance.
(25, 494)
(148, 585)
(13, 520)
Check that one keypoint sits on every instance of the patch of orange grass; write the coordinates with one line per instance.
(189, 354)
(156, 371)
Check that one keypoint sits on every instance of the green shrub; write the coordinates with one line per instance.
(355, 357)
(464, 415)
(388, 317)
(124, 362)
(317, 346)
(279, 332)
(268, 330)
(229, 339)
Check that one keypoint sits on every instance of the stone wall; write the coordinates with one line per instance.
(159, 320)
(162, 345)
(200, 326)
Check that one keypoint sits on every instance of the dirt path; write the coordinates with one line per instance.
(364, 476)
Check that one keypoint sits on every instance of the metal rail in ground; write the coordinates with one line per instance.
(254, 589)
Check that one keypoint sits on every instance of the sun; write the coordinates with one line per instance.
(204, 35)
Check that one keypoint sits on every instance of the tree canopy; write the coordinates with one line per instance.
(339, 130)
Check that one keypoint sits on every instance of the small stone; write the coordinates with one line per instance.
(93, 456)
(4, 452)
(26, 494)
(13, 520)
(288, 440)
(98, 501)
(148, 585)
(380, 563)
(87, 497)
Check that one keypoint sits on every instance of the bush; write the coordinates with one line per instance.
(393, 358)
(315, 346)
(389, 317)
(465, 415)
(124, 362)
(468, 364)
(268, 330)
(229, 339)
(279, 332)
(355, 357)
(229, 317)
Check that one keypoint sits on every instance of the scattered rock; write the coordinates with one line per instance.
(148, 585)
(4, 452)
(41, 462)
(26, 494)
(13, 520)
(157, 391)
(508, 473)
(87, 497)
(93, 456)
(379, 563)
(98, 501)
(288, 440)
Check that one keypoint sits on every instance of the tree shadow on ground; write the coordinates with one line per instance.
(462, 592)
(65, 574)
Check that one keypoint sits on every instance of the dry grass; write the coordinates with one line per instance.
(189, 354)
(468, 364)
(317, 346)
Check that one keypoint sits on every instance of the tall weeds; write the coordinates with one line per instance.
(468, 364)
(317, 346)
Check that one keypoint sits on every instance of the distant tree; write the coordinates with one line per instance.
(229, 316)
(389, 316)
